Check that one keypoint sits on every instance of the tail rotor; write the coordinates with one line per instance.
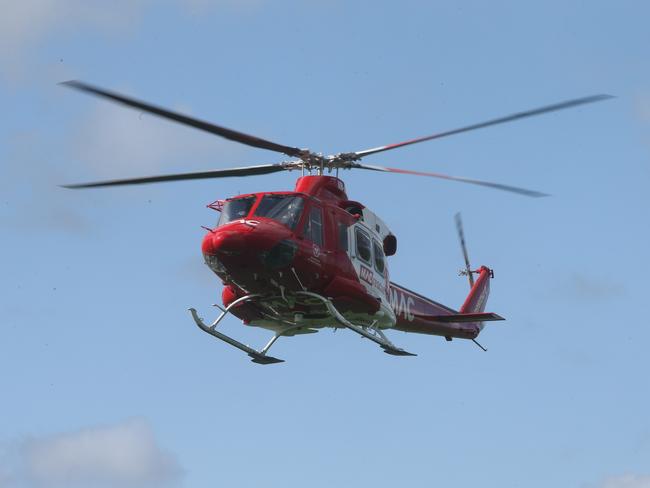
(461, 237)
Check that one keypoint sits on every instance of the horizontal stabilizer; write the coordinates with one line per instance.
(463, 317)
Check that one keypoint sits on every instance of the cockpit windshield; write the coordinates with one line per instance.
(285, 209)
(234, 209)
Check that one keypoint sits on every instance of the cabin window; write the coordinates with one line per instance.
(235, 209)
(343, 237)
(379, 257)
(314, 226)
(285, 209)
(363, 245)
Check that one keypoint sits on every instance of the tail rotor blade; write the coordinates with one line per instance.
(461, 238)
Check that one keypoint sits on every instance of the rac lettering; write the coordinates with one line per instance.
(401, 304)
(368, 276)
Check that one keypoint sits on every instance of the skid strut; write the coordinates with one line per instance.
(375, 335)
(260, 356)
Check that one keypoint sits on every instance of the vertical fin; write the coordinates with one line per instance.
(478, 295)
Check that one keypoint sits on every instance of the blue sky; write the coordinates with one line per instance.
(106, 381)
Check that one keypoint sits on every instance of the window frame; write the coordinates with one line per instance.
(343, 230)
(236, 199)
(358, 230)
(307, 228)
(377, 247)
(296, 221)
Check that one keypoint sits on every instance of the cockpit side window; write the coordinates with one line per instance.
(285, 209)
(314, 226)
(379, 257)
(363, 245)
(237, 208)
(343, 237)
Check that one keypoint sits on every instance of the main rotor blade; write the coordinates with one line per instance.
(184, 119)
(502, 120)
(261, 169)
(498, 186)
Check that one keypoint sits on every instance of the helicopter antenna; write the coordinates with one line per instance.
(461, 237)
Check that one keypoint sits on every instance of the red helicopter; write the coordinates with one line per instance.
(297, 261)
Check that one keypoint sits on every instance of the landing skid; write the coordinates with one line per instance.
(375, 335)
(256, 356)
(260, 357)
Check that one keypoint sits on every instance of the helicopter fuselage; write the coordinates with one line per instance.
(275, 244)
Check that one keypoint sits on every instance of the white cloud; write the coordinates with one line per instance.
(588, 287)
(202, 6)
(107, 142)
(643, 107)
(26, 24)
(626, 481)
(115, 141)
(124, 455)
(28, 182)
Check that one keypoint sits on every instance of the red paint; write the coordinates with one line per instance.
(255, 254)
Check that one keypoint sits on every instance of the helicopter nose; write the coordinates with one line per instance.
(264, 246)
(223, 246)
(230, 243)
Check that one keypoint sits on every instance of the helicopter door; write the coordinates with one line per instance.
(311, 243)
(369, 268)
(314, 228)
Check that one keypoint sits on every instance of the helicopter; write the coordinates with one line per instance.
(296, 262)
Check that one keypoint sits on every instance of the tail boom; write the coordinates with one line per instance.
(422, 315)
